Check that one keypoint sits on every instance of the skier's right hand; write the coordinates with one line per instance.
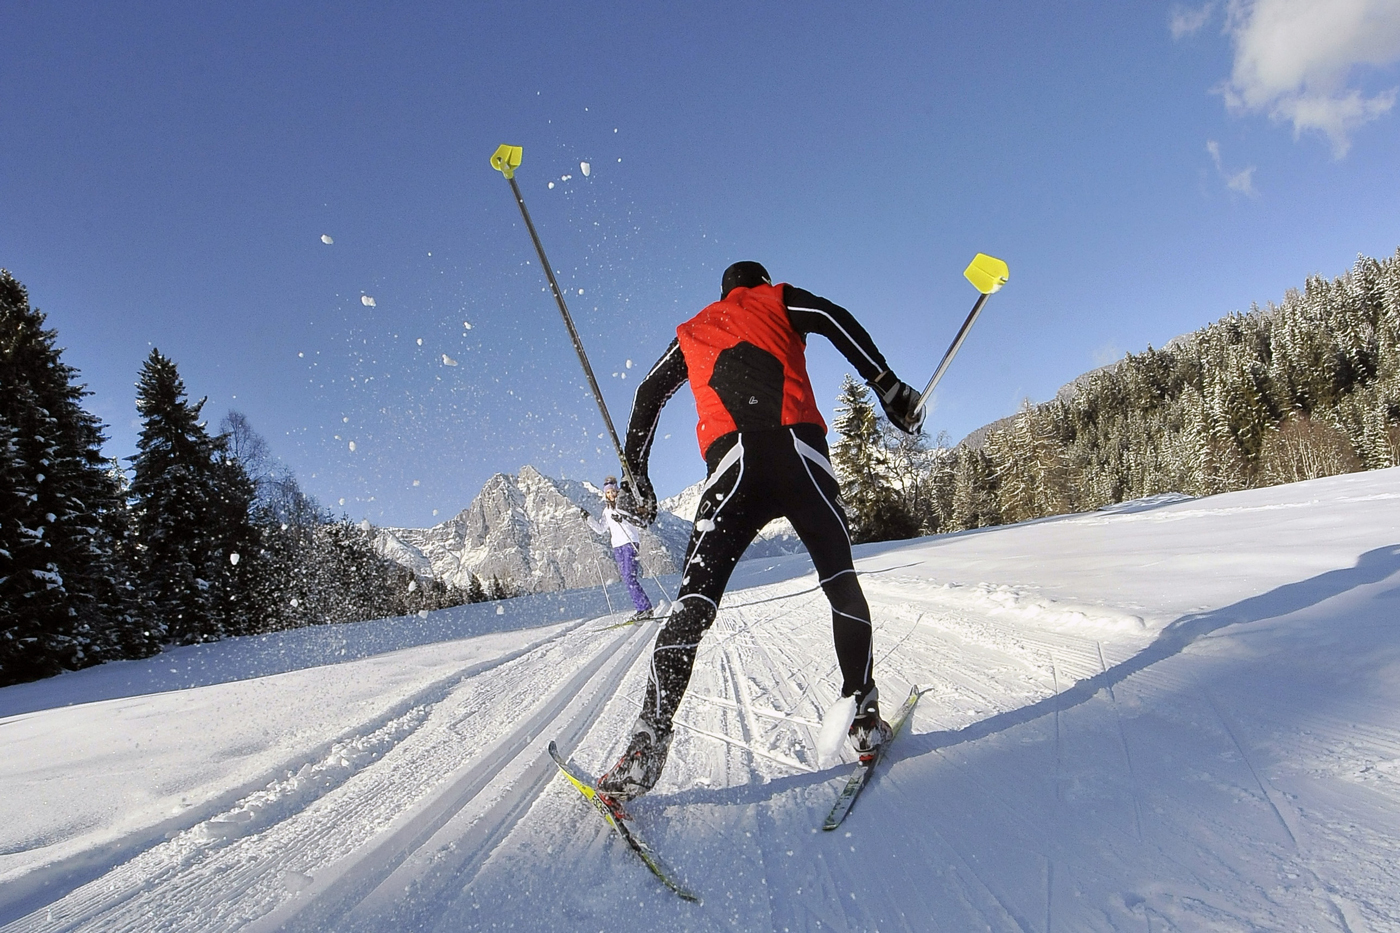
(900, 401)
(644, 498)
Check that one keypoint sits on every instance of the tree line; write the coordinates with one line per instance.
(1306, 388)
(204, 537)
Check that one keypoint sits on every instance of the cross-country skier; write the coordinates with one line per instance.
(764, 443)
(626, 535)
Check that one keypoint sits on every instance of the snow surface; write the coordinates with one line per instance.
(1175, 715)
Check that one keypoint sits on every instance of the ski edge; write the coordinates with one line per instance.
(615, 817)
(862, 773)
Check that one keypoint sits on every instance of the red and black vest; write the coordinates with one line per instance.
(747, 366)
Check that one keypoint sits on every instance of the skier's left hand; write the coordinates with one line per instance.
(900, 401)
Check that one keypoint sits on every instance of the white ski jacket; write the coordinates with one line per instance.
(615, 524)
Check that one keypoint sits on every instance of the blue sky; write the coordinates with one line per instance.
(168, 171)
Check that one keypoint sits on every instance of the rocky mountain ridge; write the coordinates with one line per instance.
(528, 530)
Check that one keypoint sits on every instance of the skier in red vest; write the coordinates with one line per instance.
(764, 443)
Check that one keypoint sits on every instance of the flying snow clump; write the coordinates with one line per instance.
(352, 445)
(467, 325)
(585, 168)
(326, 237)
(367, 301)
(448, 361)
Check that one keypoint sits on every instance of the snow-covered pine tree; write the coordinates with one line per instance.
(191, 523)
(63, 585)
(1030, 461)
(873, 508)
(975, 491)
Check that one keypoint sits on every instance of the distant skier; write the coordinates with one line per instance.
(626, 535)
(764, 443)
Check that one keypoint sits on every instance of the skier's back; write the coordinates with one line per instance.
(764, 443)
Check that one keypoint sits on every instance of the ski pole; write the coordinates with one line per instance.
(602, 583)
(506, 159)
(987, 274)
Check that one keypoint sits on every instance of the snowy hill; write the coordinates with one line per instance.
(527, 529)
(1176, 715)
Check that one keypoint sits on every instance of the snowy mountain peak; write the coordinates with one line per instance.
(528, 530)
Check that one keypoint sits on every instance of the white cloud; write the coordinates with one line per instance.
(1187, 21)
(1295, 59)
(1243, 181)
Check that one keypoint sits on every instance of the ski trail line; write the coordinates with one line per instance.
(1343, 912)
(1127, 755)
(91, 892)
(1265, 790)
(429, 853)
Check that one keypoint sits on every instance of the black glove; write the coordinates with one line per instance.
(900, 401)
(639, 502)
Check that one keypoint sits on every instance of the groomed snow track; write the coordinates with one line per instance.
(1232, 764)
(412, 803)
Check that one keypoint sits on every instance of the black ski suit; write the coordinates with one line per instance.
(773, 463)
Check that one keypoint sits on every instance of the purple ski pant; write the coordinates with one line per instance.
(626, 557)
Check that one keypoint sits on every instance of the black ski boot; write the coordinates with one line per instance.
(868, 731)
(637, 771)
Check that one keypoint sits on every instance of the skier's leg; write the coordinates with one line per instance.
(626, 556)
(816, 514)
(725, 523)
(814, 508)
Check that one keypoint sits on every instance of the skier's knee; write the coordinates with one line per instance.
(846, 597)
(691, 617)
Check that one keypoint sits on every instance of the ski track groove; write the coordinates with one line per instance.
(453, 857)
(431, 851)
(1134, 784)
(129, 896)
(1343, 911)
(124, 852)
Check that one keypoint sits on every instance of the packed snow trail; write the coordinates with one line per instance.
(1177, 715)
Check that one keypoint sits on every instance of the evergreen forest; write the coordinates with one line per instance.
(1306, 388)
(205, 536)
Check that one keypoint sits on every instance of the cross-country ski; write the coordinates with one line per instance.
(618, 818)
(864, 770)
